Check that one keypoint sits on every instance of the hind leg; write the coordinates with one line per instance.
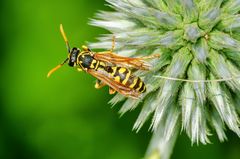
(111, 90)
(99, 84)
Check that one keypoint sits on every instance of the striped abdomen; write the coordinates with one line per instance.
(119, 74)
(125, 77)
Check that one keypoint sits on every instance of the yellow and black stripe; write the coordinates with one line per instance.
(125, 77)
(137, 84)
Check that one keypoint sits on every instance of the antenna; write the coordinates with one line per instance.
(64, 37)
(56, 68)
(68, 48)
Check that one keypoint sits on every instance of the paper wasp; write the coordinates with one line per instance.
(109, 68)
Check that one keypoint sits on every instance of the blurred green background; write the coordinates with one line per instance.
(64, 117)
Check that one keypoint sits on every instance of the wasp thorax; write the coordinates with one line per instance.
(73, 56)
(86, 60)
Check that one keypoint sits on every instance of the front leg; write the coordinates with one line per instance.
(85, 48)
(79, 69)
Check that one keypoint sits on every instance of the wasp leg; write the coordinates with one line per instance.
(113, 43)
(150, 56)
(111, 90)
(85, 48)
(99, 84)
(79, 69)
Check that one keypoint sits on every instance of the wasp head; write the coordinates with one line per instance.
(72, 54)
(72, 59)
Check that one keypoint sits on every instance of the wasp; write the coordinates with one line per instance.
(108, 67)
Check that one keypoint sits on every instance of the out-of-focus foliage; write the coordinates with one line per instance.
(64, 117)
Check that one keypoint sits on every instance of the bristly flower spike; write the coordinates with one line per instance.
(194, 87)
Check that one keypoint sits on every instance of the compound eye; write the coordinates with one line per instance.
(71, 63)
(73, 57)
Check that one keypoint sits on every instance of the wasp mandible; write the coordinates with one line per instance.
(109, 68)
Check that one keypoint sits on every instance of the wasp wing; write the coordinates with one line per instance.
(106, 78)
(134, 62)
